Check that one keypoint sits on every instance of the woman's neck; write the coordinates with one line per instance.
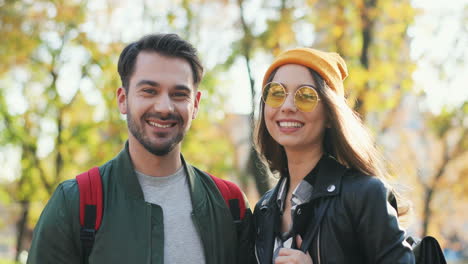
(300, 163)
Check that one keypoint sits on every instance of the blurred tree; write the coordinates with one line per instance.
(372, 37)
(451, 132)
(45, 115)
(245, 47)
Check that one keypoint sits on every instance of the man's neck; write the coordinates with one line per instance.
(150, 164)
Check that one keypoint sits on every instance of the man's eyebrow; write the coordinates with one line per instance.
(147, 82)
(183, 87)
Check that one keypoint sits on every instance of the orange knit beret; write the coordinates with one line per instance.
(329, 65)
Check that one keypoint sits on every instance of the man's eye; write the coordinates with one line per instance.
(180, 95)
(149, 91)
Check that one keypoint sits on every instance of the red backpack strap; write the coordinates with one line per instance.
(232, 196)
(90, 188)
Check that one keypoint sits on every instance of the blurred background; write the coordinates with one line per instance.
(408, 64)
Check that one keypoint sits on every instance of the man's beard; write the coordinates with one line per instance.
(137, 132)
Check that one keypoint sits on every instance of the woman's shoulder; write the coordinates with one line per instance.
(364, 195)
(357, 183)
(266, 197)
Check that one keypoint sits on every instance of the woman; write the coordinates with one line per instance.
(330, 204)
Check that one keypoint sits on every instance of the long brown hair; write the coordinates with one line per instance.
(347, 139)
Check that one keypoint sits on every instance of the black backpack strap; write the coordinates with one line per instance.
(428, 251)
(88, 232)
(314, 227)
(235, 209)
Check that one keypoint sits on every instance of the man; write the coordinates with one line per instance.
(157, 207)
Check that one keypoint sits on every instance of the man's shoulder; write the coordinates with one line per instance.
(70, 187)
(208, 176)
(67, 189)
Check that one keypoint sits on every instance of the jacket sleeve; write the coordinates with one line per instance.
(54, 240)
(245, 234)
(380, 236)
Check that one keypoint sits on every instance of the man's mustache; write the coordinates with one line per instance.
(165, 117)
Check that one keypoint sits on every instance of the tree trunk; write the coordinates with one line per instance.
(367, 37)
(427, 213)
(431, 188)
(21, 227)
(255, 166)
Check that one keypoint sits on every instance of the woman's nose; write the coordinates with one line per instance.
(288, 104)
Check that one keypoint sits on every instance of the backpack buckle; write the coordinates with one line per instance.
(87, 234)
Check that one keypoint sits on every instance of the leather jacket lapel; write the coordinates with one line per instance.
(329, 179)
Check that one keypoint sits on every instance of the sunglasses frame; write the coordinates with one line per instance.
(287, 93)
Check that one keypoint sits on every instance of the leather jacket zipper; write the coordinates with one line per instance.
(256, 255)
(318, 246)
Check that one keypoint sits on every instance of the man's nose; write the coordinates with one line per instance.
(163, 104)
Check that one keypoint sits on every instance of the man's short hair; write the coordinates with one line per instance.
(165, 44)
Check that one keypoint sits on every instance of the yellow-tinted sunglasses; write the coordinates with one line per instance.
(305, 98)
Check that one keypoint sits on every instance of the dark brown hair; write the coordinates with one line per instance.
(166, 44)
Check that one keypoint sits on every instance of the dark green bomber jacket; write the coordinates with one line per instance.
(132, 230)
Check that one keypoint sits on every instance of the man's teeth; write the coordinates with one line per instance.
(290, 124)
(159, 125)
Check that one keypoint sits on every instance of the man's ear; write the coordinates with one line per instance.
(196, 104)
(122, 100)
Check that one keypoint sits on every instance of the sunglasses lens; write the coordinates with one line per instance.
(274, 95)
(306, 99)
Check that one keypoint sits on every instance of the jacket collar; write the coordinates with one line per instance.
(127, 179)
(125, 174)
(197, 194)
(328, 182)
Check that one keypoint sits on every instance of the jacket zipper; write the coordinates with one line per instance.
(197, 227)
(318, 245)
(150, 209)
(256, 255)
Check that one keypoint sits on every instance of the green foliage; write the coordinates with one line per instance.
(449, 118)
(58, 132)
(5, 198)
(6, 261)
(371, 36)
(207, 147)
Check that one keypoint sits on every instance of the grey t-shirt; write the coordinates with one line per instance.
(182, 244)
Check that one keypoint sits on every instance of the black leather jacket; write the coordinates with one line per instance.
(358, 226)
